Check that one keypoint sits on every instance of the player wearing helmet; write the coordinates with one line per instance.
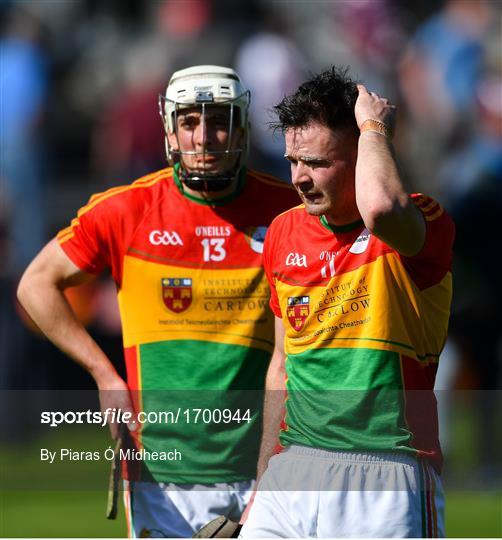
(205, 116)
(184, 246)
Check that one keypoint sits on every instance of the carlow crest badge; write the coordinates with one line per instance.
(177, 293)
(297, 311)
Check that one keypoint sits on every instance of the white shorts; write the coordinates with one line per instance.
(306, 492)
(178, 510)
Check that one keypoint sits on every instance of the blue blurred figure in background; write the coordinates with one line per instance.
(23, 87)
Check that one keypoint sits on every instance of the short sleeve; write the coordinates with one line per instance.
(268, 252)
(94, 240)
(83, 242)
(429, 266)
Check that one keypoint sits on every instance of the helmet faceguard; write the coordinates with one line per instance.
(202, 88)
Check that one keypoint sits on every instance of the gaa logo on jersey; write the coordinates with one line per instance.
(165, 238)
(297, 311)
(177, 293)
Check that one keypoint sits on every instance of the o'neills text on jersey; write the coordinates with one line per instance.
(212, 230)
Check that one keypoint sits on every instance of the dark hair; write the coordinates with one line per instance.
(328, 98)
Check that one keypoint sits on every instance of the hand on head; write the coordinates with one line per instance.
(370, 105)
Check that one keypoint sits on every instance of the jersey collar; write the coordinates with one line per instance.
(340, 228)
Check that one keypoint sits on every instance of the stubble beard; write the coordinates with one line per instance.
(316, 209)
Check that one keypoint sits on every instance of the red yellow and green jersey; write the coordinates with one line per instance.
(364, 327)
(193, 300)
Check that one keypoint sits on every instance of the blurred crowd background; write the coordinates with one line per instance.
(79, 81)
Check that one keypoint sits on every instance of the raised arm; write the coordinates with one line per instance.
(383, 202)
(40, 292)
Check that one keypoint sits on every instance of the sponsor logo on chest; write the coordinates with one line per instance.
(297, 311)
(177, 293)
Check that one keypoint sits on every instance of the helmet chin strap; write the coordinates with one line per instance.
(212, 184)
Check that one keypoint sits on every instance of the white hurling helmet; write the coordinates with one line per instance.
(203, 86)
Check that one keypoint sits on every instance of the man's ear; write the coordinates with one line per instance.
(173, 141)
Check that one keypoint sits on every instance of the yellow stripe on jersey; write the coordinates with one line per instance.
(141, 183)
(97, 197)
(428, 207)
(213, 310)
(65, 238)
(67, 233)
(375, 306)
(149, 177)
(435, 215)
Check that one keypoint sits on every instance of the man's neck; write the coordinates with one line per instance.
(343, 220)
